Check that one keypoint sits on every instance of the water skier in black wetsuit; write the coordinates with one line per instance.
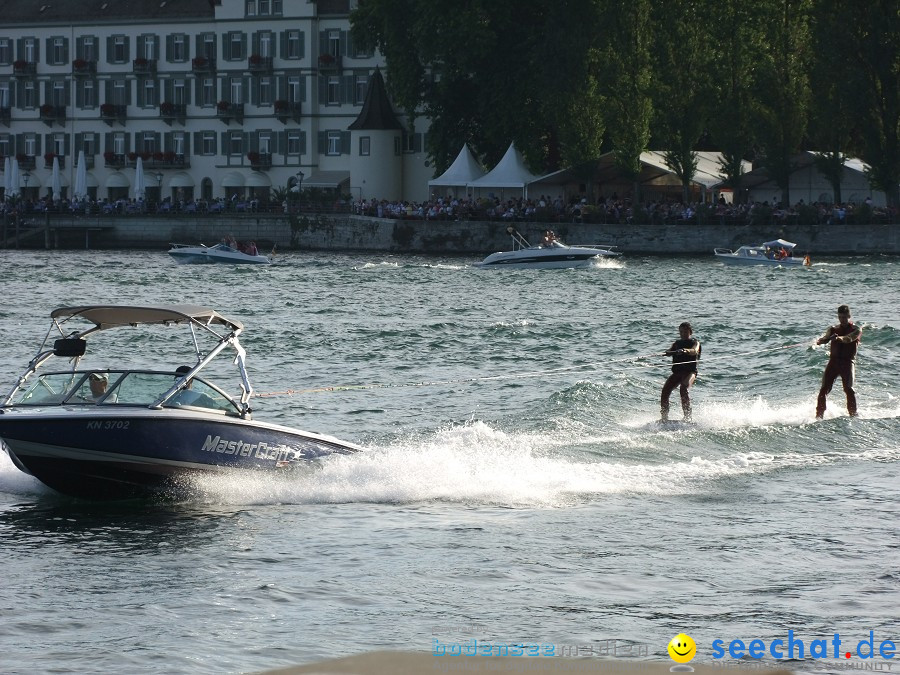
(685, 353)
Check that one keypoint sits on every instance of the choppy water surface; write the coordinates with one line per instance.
(515, 485)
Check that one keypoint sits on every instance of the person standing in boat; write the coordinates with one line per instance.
(685, 353)
(844, 339)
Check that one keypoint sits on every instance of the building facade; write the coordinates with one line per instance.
(219, 99)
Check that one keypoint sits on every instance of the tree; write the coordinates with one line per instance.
(629, 78)
(683, 86)
(783, 88)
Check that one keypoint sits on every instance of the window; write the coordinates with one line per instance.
(295, 143)
(294, 90)
(30, 145)
(334, 143)
(208, 142)
(118, 143)
(58, 143)
(147, 47)
(265, 44)
(89, 143)
(179, 52)
(265, 142)
(148, 142)
(293, 48)
(333, 90)
(235, 143)
(179, 92)
(29, 95)
(237, 90)
(86, 48)
(365, 146)
(265, 90)
(119, 49)
(149, 87)
(263, 7)
(6, 51)
(207, 45)
(58, 93)
(5, 145)
(88, 93)
(5, 99)
(208, 91)
(59, 51)
(119, 92)
(178, 143)
(234, 46)
(333, 45)
(362, 86)
(30, 50)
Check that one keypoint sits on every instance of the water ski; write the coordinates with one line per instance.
(675, 424)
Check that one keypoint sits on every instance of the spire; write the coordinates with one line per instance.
(377, 112)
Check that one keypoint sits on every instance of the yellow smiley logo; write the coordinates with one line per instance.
(682, 648)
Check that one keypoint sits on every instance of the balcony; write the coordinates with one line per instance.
(329, 63)
(114, 160)
(259, 64)
(260, 161)
(26, 162)
(202, 64)
(142, 66)
(5, 116)
(53, 114)
(172, 112)
(226, 111)
(22, 68)
(48, 160)
(161, 160)
(285, 110)
(111, 113)
(84, 68)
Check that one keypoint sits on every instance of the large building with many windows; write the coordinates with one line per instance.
(219, 98)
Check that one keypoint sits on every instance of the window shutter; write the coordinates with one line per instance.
(108, 142)
(156, 53)
(350, 51)
(65, 50)
(107, 91)
(302, 44)
(255, 42)
(348, 95)
(166, 91)
(323, 41)
(254, 141)
(140, 93)
(127, 48)
(243, 54)
(67, 144)
(127, 92)
(109, 49)
(157, 141)
(226, 148)
(254, 90)
(323, 89)
(37, 146)
(170, 47)
(187, 145)
(68, 94)
(323, 142)
(343, 46)
(302, 142)
(48, 43)
(281, 142)
(282, 51)
(198, 140)
(79, 48)
(345, 142)
(417, 142)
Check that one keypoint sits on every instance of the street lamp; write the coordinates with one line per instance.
(26, 176)
(158, 176)
(299, 188)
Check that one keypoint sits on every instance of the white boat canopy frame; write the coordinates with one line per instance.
(104, 317)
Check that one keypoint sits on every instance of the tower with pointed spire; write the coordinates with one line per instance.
(376, 160)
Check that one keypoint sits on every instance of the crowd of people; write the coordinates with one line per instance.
(545, 209)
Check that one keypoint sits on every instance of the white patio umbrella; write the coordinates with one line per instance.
(139, 181)
(14, 179)
(80, 190)
(55, 180)
(7, 177)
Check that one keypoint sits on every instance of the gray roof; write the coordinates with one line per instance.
(377, 112)
(102, 11)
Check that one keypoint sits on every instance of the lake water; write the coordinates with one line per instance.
(516, 488)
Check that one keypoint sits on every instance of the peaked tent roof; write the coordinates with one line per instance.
(510, 172)
(464, 170)
(377, 112)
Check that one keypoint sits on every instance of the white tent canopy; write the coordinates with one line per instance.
(510, 172)
(464, 170)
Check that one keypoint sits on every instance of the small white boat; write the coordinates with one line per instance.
(551, 254)
(774, 253)
(186, 254)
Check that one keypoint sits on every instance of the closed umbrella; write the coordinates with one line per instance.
(55, 181)
(7, 177)
(14, 179)
(80, 190)
(139, 186)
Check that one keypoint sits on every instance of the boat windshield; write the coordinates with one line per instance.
(131, 388)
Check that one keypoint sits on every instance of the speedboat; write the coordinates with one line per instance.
(776, 252)
(114, 433)
(551, 254)
(220, 253)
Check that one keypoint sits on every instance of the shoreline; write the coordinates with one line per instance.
(351, 233)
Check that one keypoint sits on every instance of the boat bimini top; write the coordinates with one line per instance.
(73, 345)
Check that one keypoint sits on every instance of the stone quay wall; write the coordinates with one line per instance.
(342, 232)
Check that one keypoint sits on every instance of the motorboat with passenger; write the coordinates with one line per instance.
(98, 432)
(186, 254)
(550, 254)
(777, 252)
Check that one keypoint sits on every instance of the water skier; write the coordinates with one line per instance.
(685, 353)
(844, 339)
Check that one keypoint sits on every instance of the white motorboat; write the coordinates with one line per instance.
(220, 253)
(551, 254)
(777, 252)
(112, 433)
